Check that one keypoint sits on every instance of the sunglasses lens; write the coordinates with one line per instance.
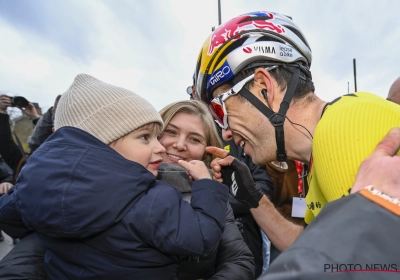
(218, 113)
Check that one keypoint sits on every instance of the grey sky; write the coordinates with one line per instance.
(151, 47)
(63, 24)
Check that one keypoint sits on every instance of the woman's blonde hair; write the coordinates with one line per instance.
(197, 108)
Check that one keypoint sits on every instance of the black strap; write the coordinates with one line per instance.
(290, 92)
(256, 102)
(277, 119)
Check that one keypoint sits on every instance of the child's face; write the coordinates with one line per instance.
(141, 146)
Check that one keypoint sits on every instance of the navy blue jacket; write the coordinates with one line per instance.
(101, 216)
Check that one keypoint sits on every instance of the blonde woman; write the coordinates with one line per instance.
(188, 129)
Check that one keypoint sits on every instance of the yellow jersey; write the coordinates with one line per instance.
(348, 132)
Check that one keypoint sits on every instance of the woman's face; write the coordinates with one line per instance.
(184, 138)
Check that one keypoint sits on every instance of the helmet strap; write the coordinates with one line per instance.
(277, 119)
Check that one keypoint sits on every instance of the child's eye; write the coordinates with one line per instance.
(145, 137)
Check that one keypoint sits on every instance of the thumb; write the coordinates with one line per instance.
(226, 161)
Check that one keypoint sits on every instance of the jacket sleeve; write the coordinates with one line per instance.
(234, 259)
(176, 227)
(261, 177)
(25, 260)
(42, 130)
(353, 231)
(10, 219)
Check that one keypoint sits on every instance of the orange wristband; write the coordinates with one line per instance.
(386, 201)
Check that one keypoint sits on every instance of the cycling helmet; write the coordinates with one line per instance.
(243, 40)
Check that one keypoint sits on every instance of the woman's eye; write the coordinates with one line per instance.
(193, 139)
(170, 131)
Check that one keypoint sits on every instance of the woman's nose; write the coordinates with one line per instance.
(180, 144)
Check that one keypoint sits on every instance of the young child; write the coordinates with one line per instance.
(90, 192)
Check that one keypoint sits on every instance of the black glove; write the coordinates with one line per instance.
(238, 178)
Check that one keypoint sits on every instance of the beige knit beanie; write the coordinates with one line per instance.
(105, 111)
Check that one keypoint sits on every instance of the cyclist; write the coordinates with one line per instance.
(254, 72)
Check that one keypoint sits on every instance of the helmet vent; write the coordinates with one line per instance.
(295, 31)
(254, 18)
(268, 38)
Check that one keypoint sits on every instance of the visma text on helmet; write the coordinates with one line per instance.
(264, 49)
(220, 74)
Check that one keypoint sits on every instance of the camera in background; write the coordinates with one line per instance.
(19, 101)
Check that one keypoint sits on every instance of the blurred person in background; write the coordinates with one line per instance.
(394, 92)
(10, 151)
(6, 181)
(44, 127)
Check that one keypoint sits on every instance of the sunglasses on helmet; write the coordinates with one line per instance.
(217, 106)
